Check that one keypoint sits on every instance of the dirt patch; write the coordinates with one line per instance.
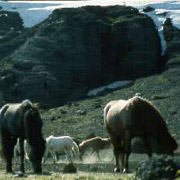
(89, 164)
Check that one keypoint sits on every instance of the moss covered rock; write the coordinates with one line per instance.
(158, 167)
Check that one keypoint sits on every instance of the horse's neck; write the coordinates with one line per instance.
(85, 145)
(34, 140)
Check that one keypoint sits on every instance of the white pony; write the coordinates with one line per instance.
(60, 145)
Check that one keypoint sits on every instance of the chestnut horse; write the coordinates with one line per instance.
(23, 121)
(136, 117)
(95, 144)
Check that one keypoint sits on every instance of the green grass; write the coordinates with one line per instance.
(77, 176)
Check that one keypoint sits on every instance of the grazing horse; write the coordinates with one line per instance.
(60, 145)
(126, 119)
(96, 144)
(23, 121)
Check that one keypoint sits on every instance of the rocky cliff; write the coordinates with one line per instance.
(75, 50)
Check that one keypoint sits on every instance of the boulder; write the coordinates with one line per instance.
(158, 167)
(77, 49)
(172, 37)
(11, 27)
(70, 168)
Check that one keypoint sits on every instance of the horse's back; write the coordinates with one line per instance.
(59, 142)
(135, 114)
(11, 116)
(11, 119)
(70, 143)
(93, 142)
(116, 116)
(14, 110)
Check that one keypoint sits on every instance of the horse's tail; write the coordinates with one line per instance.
(2, 112)
(106, 109)
(4, 109)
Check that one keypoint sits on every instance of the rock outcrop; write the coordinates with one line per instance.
(75, 50)
(158, 167)
(172, 37)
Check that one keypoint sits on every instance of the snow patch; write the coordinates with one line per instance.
(114, 85)
(33, 12)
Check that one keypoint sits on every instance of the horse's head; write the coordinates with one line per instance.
(33, 130)
(167, 144)
(36, 154)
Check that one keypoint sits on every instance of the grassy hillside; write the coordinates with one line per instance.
(81, 118)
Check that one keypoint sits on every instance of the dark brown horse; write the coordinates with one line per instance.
(23, 121)
(136, 117)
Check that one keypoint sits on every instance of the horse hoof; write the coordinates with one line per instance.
(19, 174)
(125, 170)
(116, 170)
(9, 172)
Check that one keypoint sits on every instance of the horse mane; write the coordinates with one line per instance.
(163, 130)
(148, 106)
(96, 139)
(33, 125)
(142, 104)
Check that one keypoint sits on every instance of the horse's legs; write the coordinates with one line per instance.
(57, 156)
(117, 155)
(147, 143)
(127, 150)
(21, 145)
(69, 155)
(53, 154)
(45, 156)
(121, 153)
(80, 156)
(116, 142)
(98, 155)
(8, 144)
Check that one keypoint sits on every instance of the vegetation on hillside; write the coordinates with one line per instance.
(80, 118)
